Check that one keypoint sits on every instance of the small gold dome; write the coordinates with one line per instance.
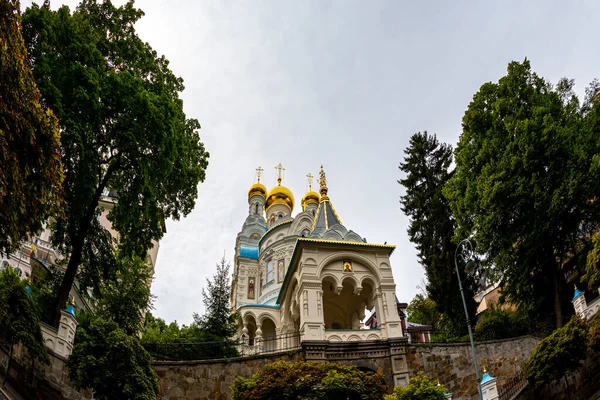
(257, 188)
(280, 195)
(310, 197)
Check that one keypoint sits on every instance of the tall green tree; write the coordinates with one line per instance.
(422, 310)
(111, 363)
(30, 161)
(123, 129)
(525, 181)
(19, 318)
(125, 297)
(218, 319)
(427, 169)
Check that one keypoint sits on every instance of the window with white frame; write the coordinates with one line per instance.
(270, 275)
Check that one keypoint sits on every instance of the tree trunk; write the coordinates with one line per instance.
(69, 277)
(557, 303)
(77, 248)
(9, 363)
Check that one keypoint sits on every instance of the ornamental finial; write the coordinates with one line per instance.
(280, 170)
(310, 179)
(259, 171)
(323, 183)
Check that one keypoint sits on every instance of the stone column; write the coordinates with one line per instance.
(312, 322)
(489, 388)
(66, 332)
(579, 303)
(387, 312)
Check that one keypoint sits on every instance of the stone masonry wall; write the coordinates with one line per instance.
(453, 364)
(209, 380)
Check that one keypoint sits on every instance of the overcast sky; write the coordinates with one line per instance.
(339, 83)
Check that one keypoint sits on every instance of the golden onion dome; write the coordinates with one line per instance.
(280, 195)
(257, 188)
(310, 197)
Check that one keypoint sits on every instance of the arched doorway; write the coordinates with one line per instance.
(269, 335)
(250, 325)
(345, 307)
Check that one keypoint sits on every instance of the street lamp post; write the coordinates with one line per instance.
(466, 256)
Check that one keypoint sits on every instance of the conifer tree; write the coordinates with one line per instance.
(427, 165)
(218, 320)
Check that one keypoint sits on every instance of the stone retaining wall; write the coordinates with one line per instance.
(210, 380)
(453, 363)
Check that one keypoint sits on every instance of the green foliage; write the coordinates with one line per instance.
(592, 266)
(559, 354)
(19, 316)
(524, 180)
(419, 388)
(218, 318)
(594, 334)
(170, 342)
(432, 226)
(111, 363)
(311, 381)
(30, 162)
(497, 323)
(156, 330)
(423, 310)
(125, 297)
(123, 129)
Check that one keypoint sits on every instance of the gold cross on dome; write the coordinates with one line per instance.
(259, 171)
(310, 179)
(280, 170)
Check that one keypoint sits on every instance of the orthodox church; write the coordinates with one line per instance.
(308, 277)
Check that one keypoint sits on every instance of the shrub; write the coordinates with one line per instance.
(559, 354)
(310, 381)
(419, 388)
(497, 323)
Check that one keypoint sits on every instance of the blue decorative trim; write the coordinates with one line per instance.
(260, 305)
(249, 252)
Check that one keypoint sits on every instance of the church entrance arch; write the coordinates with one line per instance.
(250, 326)
(345, 304)
(269, 335)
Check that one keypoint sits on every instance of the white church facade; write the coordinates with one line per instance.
(307, 277)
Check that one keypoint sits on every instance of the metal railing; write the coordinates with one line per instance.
(513, 386)
(244, 346)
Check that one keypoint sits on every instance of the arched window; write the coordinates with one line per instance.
(270, 275)
(256, 209)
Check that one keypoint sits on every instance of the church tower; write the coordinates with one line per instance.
(306, 277)
(310, 201)
(280, 201)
